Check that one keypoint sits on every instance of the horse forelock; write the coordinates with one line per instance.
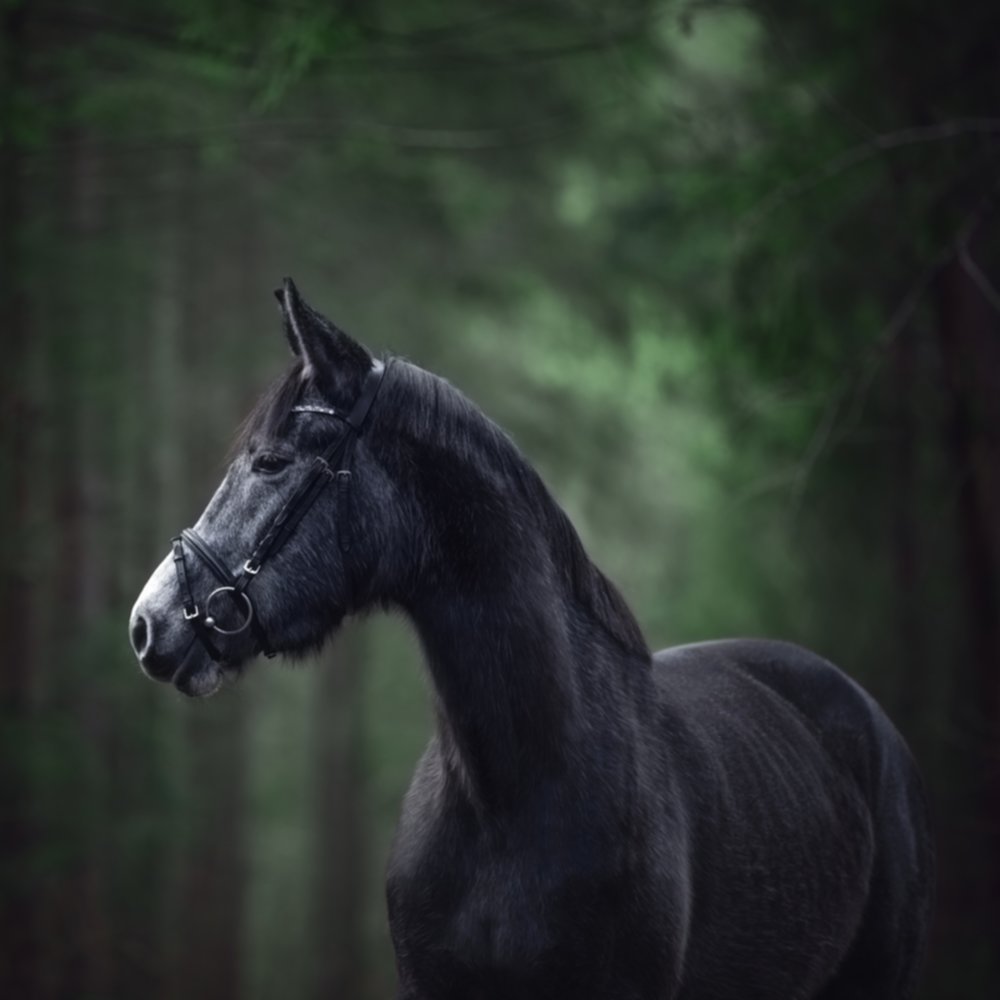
(269, 417)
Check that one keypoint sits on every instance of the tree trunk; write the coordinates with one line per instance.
(969, 335)
(20, 956)
(339, 865)
(148, 739)
(214, 859)
(77, 912)
(905, 537)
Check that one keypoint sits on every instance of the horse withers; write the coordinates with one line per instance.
(730, 820)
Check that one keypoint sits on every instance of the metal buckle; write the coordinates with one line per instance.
(210, 620)
(194, 614)
(250, 569)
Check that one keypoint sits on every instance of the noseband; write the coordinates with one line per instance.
(337, 457)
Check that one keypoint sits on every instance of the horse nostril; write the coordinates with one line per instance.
(155, 663)
(140, 636)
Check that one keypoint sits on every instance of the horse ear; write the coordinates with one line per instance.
(323, 347)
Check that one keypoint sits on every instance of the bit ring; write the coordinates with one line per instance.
(210, 620)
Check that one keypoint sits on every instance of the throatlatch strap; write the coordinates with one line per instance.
(344, 477)
(359, 411)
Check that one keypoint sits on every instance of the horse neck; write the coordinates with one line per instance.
(526, 678)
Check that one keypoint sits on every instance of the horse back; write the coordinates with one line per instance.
(845, 723)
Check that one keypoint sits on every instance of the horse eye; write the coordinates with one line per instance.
(269, 463)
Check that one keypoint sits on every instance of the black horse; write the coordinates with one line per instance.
(726, 820)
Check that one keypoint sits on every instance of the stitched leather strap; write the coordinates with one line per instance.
(215, 564)
(192, 613)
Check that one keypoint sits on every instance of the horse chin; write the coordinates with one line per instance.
(203, 681)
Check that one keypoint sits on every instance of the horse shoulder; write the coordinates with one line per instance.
(564, 888)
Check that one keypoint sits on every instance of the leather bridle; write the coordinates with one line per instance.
(333, 464)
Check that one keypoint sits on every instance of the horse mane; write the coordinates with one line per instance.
(433, 410)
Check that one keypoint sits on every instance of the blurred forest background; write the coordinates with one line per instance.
(728, 272)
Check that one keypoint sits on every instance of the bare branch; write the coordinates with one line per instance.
(863, 152)
(975, 272)
(850, 394)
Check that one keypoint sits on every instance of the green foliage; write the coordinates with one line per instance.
(689, 253)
